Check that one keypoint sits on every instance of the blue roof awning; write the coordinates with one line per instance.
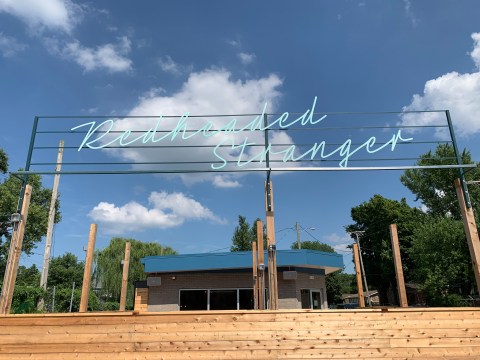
(308, 259)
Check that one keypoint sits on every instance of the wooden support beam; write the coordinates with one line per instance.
(356, 258)
(255, 274)
(87, 274)
(261, 263)
(272, 248)
(471, 231)
(126, 264)
(397, 260)
(16, 244)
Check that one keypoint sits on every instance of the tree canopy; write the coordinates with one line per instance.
(243, 235)
(374, 218)
(3, 162)
(37, 215)
(108, 272)
(435, 188)
(442, 261)
(313, 245)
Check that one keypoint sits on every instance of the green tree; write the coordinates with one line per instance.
(28, 276)
(37, 215)
(242, 235)
(27, 290)
(64, 270)
(313, 245)
(442, 262)
(3, 162)
(435, 188)
(374, 218)
(108, 272)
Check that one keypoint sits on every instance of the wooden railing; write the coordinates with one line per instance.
(283, 334)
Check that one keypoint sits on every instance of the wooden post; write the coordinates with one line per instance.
(261, 263)
(88, 269)
(272, 248)
(16, 243)
(126, 264)
(255, 274)
(471, 232)
(397, 260)
(51, 221)
(361, 298)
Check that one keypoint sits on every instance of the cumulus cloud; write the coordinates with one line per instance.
(459, 93)
(246, 58)
(110, 57)
(166, 210)
(9, 46)
(50, 14)
(209, 92)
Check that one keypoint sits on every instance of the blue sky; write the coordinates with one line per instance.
(63, 57)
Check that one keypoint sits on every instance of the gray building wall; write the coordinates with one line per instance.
(166, 296)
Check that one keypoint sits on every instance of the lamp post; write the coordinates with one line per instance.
(357, 233)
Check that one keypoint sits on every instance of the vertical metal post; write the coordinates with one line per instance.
(459, 160)
(361, 265)
(265, 132)
(27, 163)
(71, 297)
(53, 300)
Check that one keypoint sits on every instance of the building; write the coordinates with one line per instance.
(224, 281)
(371, 297)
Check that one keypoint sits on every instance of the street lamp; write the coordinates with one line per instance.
(357, 233)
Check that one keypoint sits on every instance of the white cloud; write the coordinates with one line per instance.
(459, 93)
(339, 242)
(409, 12)
(51, 14)
(208, 92)
(475, 54)
(167, 210)
(169, 66)
(111, 57)
(225, 181)
(234, 43)
(246, 58)
(9, 46)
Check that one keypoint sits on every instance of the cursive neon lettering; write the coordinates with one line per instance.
(101, 136)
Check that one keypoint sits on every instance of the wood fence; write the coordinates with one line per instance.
(284, 334)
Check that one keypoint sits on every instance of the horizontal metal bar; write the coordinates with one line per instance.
(245, 130)
(124, 172)
(228, 161)
(223, 115)
(215, 146)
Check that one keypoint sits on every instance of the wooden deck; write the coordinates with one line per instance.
(283, 334)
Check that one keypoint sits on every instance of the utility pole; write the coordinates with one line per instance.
(299, 243)
(356, 233)
(51, 219)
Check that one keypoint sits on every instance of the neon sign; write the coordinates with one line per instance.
(100, 136)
